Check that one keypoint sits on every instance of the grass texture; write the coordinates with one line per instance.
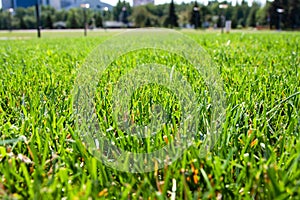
(257, 155)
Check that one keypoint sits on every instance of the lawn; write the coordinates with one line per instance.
(256, 156)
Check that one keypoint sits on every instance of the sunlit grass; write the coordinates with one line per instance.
(257, 155)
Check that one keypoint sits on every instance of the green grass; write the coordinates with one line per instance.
(257, 154)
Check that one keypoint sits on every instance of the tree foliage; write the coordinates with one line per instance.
(118, 11)
(195, 16)
(142, 17)
(251, 18)
(289, 18)
(172, 18)
(73, 19)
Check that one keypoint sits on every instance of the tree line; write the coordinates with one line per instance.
(278, 14)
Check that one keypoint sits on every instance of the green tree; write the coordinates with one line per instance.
(262, 15)
(47, 16)
(19, 14)
(289, 18)
(195, 16)
(22, 24)
(117, 10)
(158, 13)
(3, 20)
(184, 17)
(251, 18)
(73, 19)
(142, 17)
(294, 13)
(273, 13)
(123, 17)
(172, 19)
(107, 15)
(30, 22)
(46, 20)
(29, 18)
(98, 20)
(238, 14)
(61, 15)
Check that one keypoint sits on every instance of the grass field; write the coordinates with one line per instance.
(257, 155)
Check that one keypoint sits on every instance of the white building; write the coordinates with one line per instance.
(53, 3)
(67, 3)
(57, 4)
(142, 2)
(6, 4)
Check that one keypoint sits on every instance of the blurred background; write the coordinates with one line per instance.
(93, 14)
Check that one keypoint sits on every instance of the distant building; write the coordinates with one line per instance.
(93, 4)
(57, 4)
(67, 3)
(25, 4)
(7, 4)
(53, 3)
(142, 2)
